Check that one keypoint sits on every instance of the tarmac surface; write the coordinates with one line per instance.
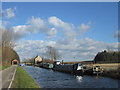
(6, 76)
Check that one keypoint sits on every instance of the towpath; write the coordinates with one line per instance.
(6, 76)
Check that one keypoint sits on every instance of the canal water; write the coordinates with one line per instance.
(54, 79)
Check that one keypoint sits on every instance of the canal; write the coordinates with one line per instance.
(53, 79)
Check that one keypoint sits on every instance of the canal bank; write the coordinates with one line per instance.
(23, 79)
(111, 70)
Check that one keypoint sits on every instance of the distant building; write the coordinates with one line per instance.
(37, 59)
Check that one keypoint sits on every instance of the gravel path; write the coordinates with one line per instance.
(6, 76)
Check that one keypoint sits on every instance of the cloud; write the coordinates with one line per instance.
(33, 25)
(31, 48)
(21, 30)
(78, 49)
(67, 28)
(69, 46)
(56, 21)
(9, 12)
(8, 34)
(49, 27)
(52, 33)
(113, 46)
(37, 25)
(82, 49)
(83, 27)
(6, 15)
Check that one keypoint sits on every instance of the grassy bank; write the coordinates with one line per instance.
(112, 73)
(110, 66)
(23, 80)
(110, 70)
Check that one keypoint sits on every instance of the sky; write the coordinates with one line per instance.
(78, 30)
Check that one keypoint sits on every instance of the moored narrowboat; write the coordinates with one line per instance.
(70, 68)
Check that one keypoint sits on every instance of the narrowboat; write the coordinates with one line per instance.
(45, 65)
(70, 68)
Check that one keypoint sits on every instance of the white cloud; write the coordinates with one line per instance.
(52, 33)
(49, 28)
(82, 49)
(67, 28)
(35, 25)
(84, 27)
(9, 12)
(59, 23)
(113, 46)
(31, 48)
(21, 30)
(56, 21)
(69, 47)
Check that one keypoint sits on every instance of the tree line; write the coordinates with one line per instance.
(107, 57)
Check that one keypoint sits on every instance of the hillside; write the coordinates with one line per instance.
(8, 54)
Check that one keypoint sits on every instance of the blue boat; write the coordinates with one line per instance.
(22, 65)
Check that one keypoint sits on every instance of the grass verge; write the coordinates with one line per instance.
(23, 79)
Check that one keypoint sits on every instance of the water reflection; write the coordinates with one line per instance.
(79, 78)
(97, 77)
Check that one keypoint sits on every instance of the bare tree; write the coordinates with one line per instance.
(8, 38)
(52, 53)
(7, 43)
(29, 60)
